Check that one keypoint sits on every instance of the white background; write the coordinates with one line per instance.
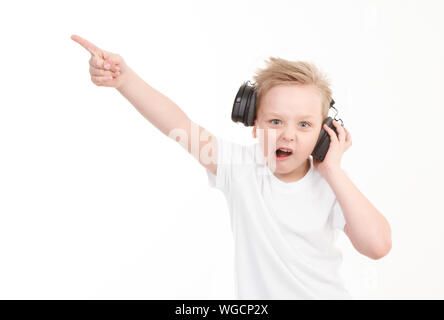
(95, 203)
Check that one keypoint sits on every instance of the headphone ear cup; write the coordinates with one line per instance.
(244, 109)
(323, 143)
(244, 105)
(251, 109)
(236, 115)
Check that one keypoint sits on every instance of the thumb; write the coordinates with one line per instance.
(112, 58)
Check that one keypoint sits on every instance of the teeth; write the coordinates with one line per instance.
(288, 151)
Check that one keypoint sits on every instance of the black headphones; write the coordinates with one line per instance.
(244, 111)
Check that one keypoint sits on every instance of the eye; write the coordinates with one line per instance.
(274, 120)
(306, 123)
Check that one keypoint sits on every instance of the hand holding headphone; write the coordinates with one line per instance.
(244, 111)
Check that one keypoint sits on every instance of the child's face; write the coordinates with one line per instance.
(289, 116)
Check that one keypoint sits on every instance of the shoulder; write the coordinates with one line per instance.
(234, 153)
(320, 186)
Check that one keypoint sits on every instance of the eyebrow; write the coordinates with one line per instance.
(306, 116)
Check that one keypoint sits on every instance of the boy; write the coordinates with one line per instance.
(284, 207)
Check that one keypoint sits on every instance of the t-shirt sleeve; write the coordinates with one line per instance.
(227, 153)
(338, 220)
(218, 181)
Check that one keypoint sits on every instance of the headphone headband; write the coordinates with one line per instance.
(244, 106)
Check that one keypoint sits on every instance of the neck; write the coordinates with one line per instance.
(296, 174)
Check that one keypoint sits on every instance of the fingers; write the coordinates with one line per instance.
(106, 81)
(348, 138)
(95, 51)
(332, 134)
(340, 130)
(100, 72)
(343, 134)
(99, 63)
(113, 58)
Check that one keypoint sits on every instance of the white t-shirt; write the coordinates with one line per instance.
(284, 233)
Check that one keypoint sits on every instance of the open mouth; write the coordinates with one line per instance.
(283, 153)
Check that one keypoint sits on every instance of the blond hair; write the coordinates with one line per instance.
(283, 72)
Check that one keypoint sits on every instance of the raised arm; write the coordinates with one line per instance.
(157, 108)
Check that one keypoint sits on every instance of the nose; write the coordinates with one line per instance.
(289, 134)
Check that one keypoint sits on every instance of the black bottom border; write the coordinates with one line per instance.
(216, 309)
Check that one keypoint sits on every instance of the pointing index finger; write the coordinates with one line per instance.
(87, 45)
